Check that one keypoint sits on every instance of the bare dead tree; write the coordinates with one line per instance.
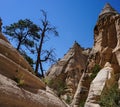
(45, 29)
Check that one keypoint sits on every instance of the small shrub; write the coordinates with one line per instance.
(82, 103)
(111, 97)
(46, 81)
(16, 79)
(58, 85)
(95, 71)
(19, 81)
(68, 100)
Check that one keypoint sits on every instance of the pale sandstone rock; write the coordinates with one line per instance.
(77, 96)
(117, 48)
(108, 9)
(70, 68)
(89, 104)
(13, 65)
(32, 92)
(13, 96)
(106, 49)
(119, 83)
(107, 38)
(3, 38)
(105, 78)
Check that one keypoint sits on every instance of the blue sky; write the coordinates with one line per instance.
(74, 19)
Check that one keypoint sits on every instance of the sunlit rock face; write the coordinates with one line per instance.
(107, 38)
(13, 65)
(77, 68)
(70, 68)
(105, 53)
(73, 78)
(13, 96)
(18, 86)
(104, 79)
(119, 83)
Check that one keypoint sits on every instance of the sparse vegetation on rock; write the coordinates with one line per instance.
(95, 70)
(82, 78)
(110, 97)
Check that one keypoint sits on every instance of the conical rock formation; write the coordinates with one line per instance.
(108, 9)
(69, 70)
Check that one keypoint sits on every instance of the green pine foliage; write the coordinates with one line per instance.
(24, 32)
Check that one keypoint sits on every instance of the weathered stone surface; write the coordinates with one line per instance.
(13, 65)
(80, 89)
(3, 38)
(107, 10)
(18, 86)
(68, 62)
(105, 49)
(105, 78)
(106, 39)
(13, 96)
(70, 68)
(72, 72)
(117, 48)
(119, 83)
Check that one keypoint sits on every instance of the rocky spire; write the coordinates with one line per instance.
(76, 44)
(108, 9)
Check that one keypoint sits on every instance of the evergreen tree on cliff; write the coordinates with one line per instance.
(24, 33)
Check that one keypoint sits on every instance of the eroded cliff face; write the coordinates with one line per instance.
(68, 70)
(82, 78)
(106, 35)
(105, 53)
(100, 71)
(18, 86)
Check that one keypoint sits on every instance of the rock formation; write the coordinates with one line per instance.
(18, 86)
(104, 55)
(105, 78)
(106, 37)
(105, 50)
(82, 78)
(69, 70)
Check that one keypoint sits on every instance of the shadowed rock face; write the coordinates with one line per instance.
(18, 86)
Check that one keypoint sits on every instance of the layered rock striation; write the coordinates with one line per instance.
(80, 78)
(18, 86)
(105, 53)
(69, 69)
